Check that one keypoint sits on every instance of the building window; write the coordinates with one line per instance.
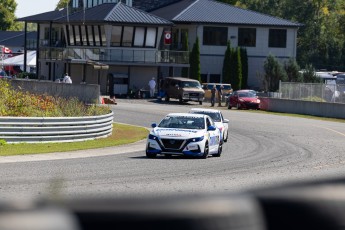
(91, 35)
(215, 36)
(151, 35)
(84, 36)
(77, 35)
(70, 35)
(97, 36)
(247, 37)
(103, 36)
(127, 36)
(277, 38)
(116, 35)
(139, 36)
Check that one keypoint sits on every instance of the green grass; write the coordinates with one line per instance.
(296, 115)
(278, 113)
(122, 134)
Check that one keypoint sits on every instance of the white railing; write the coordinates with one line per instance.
(55, 129)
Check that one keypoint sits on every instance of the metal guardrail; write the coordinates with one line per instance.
(55, 129)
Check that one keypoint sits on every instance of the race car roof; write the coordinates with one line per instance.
(185, 115)
(205, 110)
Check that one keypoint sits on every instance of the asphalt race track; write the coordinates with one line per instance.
(263, 150)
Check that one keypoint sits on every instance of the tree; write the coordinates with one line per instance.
(184, 72)
(274, 73)
(195, 61)
(7, 16)
(309, 75)
(292, 71)
(244, 62)
(226, 64)
(62, 4)
(237, 82)
(232, 65)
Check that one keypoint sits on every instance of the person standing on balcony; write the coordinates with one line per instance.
(152, 84)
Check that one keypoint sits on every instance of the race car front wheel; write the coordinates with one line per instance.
(151, 155)
(206, 150)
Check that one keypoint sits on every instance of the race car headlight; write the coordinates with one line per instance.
(152, 137)
(258, 100)
(197, 139)
(241, 100)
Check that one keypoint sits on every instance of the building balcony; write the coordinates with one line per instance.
(115, 55)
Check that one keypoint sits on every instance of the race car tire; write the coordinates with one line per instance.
(167, 98)
(151, 155)
(226, 139)
(220, 149)
(206, 150)
(200, 102)
(229, 106)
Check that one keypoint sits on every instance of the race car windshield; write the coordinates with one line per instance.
(215, 116)
(183, 123)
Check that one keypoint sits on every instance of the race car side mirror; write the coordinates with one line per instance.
(153, 125)
(226, 121)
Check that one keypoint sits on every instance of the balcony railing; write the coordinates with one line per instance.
(115, 55)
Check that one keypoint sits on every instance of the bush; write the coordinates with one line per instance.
(2, 142)
(27, 75)
(24, 104)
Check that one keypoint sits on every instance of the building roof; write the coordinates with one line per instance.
(45, 17)
(213, 12)
(15, 38)
(106, 12)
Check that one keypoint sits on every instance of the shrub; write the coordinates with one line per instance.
(24, 104)
(2, 142)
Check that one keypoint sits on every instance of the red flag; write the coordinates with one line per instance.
(167, 38)
(6, 50)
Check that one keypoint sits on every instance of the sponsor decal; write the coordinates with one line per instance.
(176, 130)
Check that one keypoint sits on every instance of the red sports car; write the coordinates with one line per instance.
(244, 99)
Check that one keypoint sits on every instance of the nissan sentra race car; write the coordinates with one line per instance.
(217, 116)
(184, 134)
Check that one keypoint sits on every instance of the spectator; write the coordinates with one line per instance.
(152, 84)
(220, 94)
(67, 79)
(213, 95)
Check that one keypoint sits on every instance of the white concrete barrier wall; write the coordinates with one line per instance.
(321, 109)
(88, 93)
(55, 129)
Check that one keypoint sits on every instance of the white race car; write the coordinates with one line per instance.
(184, 134)
(218, 119)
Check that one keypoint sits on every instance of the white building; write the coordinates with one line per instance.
(129, 41)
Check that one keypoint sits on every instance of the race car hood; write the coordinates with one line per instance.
(177, 133)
